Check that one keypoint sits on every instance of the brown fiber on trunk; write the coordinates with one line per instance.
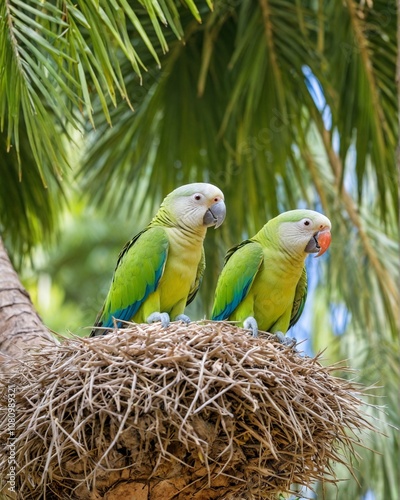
(20, 326)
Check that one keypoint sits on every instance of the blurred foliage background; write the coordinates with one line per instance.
(108, 105)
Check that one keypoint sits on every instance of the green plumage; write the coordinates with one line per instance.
(161, 268)
(264, 277)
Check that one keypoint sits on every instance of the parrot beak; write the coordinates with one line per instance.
(215, 215)
(319, 243)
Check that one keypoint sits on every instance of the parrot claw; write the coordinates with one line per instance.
(282, 339)
(250, 323)
(157, 316)
(183, 317)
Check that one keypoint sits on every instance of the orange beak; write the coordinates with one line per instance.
(324, 240)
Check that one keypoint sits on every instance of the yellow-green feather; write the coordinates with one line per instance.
(260, 279)
(159, 270)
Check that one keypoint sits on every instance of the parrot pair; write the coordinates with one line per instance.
(263, 283)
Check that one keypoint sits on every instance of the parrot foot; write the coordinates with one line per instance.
(157, 316)
(282, 339)
(183, 317)
(250, 323)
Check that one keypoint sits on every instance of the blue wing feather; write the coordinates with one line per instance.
(139, 269)
(238, 296)
(127, 313)
(240, 269)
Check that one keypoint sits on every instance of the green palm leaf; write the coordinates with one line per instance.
(59, 59)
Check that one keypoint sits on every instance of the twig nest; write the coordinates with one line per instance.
(189, 412)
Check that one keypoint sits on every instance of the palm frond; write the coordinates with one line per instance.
(57, 53)
(362, 49)
(57, 58)
(29, 212)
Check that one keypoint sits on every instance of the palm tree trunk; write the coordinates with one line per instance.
(20, 326)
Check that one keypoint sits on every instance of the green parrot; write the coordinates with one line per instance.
(263, 283)
(160, 270)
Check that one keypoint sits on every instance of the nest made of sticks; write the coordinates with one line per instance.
(189, 412)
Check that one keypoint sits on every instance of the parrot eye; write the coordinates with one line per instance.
(306, 222)
(197, 197)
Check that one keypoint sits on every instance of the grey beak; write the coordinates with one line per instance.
(215, 215)
(320, 242)
(312, 245)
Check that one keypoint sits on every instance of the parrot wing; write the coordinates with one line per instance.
(241, 267)
(199, 278)
(299, 298)
(138, 271)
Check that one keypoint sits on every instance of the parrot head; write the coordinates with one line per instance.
(304, 231)
(196, 205)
